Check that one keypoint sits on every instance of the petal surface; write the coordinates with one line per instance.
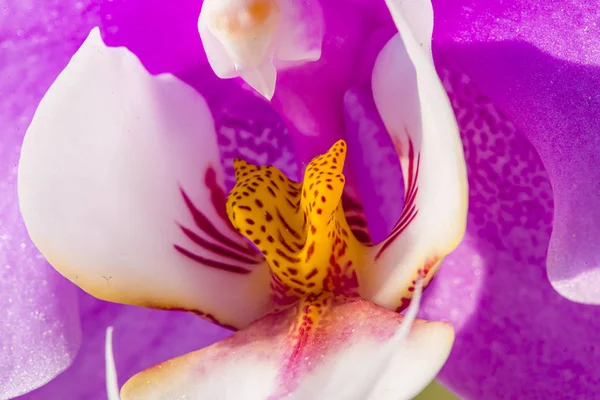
(253, 39)
(305, 353)
(311, 97)
(374, 161)
(539, 63)
(417, 114)
(121, 189)
(493, 288)
(39, 322)
(142, 337)
(165, 38)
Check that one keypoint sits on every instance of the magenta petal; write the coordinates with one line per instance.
(142, 338)
(539, 63)
(39, 323)
(162, 34)
(517, 338)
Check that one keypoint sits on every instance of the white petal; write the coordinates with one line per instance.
(356, 351)
(262, 78)
(255, 38)
(218, 58)
(102, 168)
(415, 109)
(418, 17)
(245, 28)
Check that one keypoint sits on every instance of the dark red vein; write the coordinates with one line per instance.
(216, 249)
(207, 227)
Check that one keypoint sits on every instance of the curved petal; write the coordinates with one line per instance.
(315, 350)
(142, 338)
(539, 63)
(120, 187)
(112, 381)
(510, 322)
(425, 134)
(253, 39)
(40, 332)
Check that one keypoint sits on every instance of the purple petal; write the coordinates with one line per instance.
(311, 97)
(538, 62)
(516, 336)
(142, 338)
(374, 162)
(40, 331)
(249, 128)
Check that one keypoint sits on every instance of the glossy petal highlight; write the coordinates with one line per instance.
(132, 208)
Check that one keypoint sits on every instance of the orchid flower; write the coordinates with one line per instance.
(134, 211)
(522, 80)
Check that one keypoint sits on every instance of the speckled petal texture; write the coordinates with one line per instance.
(39, 317)
(517, 337)
(544, 58)
(142, 338)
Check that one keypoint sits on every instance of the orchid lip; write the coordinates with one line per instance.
(300, 228)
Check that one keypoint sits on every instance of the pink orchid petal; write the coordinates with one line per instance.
(285, 356)
(510, 322)
(539, 63)
(39, 322)
(129, 169)
(506, 309)
(142, 338)
(165, 39)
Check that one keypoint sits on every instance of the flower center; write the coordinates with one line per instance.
(300, 228)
